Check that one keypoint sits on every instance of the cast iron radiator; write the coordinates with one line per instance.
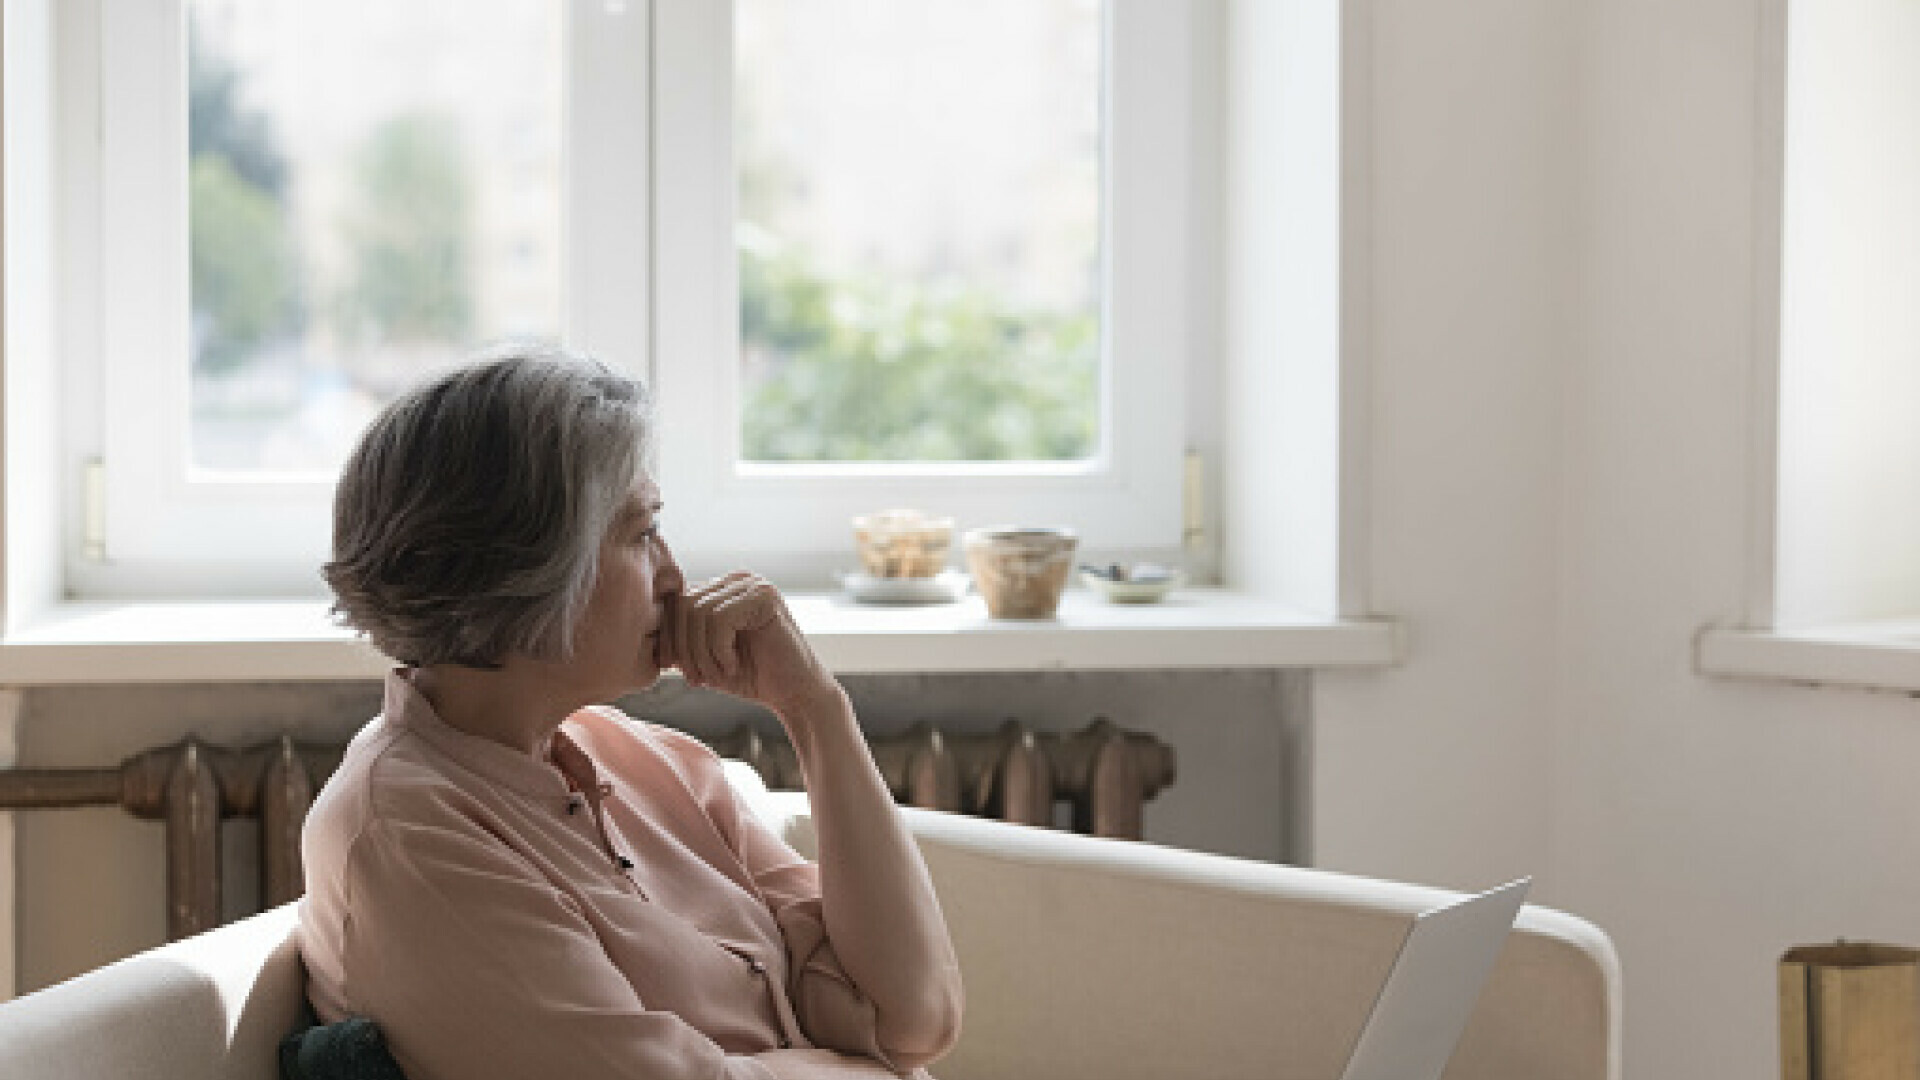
(1105, 774)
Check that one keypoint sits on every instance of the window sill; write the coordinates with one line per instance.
(1871, 656)
(293, 640)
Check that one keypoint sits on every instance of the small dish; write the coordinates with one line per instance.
(943, 588)
(1147, 591)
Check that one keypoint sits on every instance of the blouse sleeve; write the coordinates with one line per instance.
(831, 1008)
(475, 968)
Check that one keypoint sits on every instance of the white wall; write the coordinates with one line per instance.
(1280, 301)
(1436, 771)
(1564, 338)
(1708, 825)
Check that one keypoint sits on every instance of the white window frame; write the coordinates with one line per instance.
(795, 519)
(650, 81)
(171, 529)
(1285, 411)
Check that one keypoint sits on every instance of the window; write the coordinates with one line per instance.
(981, 211)
(1833, 592)
(343, 235)
(301, 208)
(965, 294)
(918, 247)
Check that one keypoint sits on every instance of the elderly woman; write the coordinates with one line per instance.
(514, 879)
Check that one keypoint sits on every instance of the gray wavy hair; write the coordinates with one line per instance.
(467, 523)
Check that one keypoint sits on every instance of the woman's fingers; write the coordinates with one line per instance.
(682, 652)
(736, 635)
(723, 633)
(704, 640)
(701, 634)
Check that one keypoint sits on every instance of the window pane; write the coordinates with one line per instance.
(919, 234)
(374, 189)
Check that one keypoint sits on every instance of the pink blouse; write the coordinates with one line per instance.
(613, 911)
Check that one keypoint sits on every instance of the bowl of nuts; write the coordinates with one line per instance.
(903, 543)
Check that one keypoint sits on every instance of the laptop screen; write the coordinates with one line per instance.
(1430, 992)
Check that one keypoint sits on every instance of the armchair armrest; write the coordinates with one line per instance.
(214, 1006)
(1090, 959)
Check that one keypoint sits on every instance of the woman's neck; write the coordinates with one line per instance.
(511, 705)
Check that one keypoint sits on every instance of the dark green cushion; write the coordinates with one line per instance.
(352, 1049)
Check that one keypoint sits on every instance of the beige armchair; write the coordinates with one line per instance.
(1084, 959)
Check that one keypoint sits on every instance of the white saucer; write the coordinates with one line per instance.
(1133, 592)
(943, 588)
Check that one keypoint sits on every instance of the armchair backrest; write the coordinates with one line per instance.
(1084, 959)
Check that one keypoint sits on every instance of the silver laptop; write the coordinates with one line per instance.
(1423, 1006)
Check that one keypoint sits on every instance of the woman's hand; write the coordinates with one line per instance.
(735, 634)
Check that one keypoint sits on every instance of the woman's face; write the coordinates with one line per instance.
(614, 643)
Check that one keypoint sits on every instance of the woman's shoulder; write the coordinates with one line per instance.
(383, 773)
(341, 806)
(343, 809)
